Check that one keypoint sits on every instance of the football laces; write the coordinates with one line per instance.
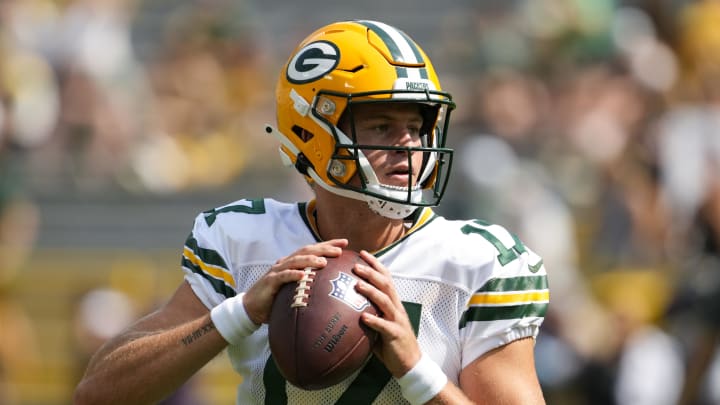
(300, 299)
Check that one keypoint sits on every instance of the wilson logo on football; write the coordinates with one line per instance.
(312, 62)
(343, 289)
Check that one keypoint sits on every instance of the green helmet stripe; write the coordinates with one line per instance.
(402, 48)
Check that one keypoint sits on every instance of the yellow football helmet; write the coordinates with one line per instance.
(352, 62)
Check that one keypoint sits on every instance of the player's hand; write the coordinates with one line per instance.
(259, 298)
(397, 347)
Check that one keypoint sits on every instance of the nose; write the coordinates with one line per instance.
(406, 137)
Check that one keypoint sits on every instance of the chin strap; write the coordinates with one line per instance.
(391, 210)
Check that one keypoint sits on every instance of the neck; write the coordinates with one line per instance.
(340, 217)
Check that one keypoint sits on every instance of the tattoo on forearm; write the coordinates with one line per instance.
(197, 334)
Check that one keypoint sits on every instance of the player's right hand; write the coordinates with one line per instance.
(259, 298)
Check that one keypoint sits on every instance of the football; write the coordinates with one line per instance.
(316, 336)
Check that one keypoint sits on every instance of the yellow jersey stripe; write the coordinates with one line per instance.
(510, 298)
(425, 215)
(211, 270)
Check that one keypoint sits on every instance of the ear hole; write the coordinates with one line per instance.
(302, 134)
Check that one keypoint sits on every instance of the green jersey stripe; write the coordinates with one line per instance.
(495, 313)
(515, 284)
(208, 256)
(218, 285)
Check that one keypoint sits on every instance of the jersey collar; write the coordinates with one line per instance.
(421, 217)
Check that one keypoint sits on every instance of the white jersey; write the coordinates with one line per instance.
(468, 287)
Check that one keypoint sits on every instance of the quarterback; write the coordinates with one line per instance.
(362, 116)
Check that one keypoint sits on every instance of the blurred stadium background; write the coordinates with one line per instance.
(589, 127)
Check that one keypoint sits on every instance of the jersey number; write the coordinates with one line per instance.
(256, 206)
(364, 389)
(505, 255)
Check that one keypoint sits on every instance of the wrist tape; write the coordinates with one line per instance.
(232, 321)
(423, 382)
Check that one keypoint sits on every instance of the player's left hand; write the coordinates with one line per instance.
(397, 347)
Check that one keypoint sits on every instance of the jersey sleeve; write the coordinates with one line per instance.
(205, 264)
(510, 297)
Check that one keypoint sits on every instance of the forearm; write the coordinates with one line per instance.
(505, 375)
(521, 394)
(144, 367)
(450, 395)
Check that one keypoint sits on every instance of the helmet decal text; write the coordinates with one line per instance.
(312, 62)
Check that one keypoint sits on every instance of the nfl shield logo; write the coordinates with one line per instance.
(343, 288)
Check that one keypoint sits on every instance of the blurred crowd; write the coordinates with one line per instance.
(590, 128)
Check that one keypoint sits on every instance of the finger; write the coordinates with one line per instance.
(300, 262)
(373, 262)
(381, 300)
(330, 248)
(334, 245)
(373, 275)
(377, 323)
(341, 242)
(286, 276)
(379, 277)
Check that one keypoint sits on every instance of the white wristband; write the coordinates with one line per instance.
(423, 382)
(232, 321)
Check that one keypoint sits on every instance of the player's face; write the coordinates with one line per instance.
(388, 124)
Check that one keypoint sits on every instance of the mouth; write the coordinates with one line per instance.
(400, 177)
(404, 188)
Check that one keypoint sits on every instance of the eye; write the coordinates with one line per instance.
(376, 128)
(414, 130)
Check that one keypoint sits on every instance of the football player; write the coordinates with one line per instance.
(362, 116)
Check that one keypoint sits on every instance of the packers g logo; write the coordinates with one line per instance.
(312, 62)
